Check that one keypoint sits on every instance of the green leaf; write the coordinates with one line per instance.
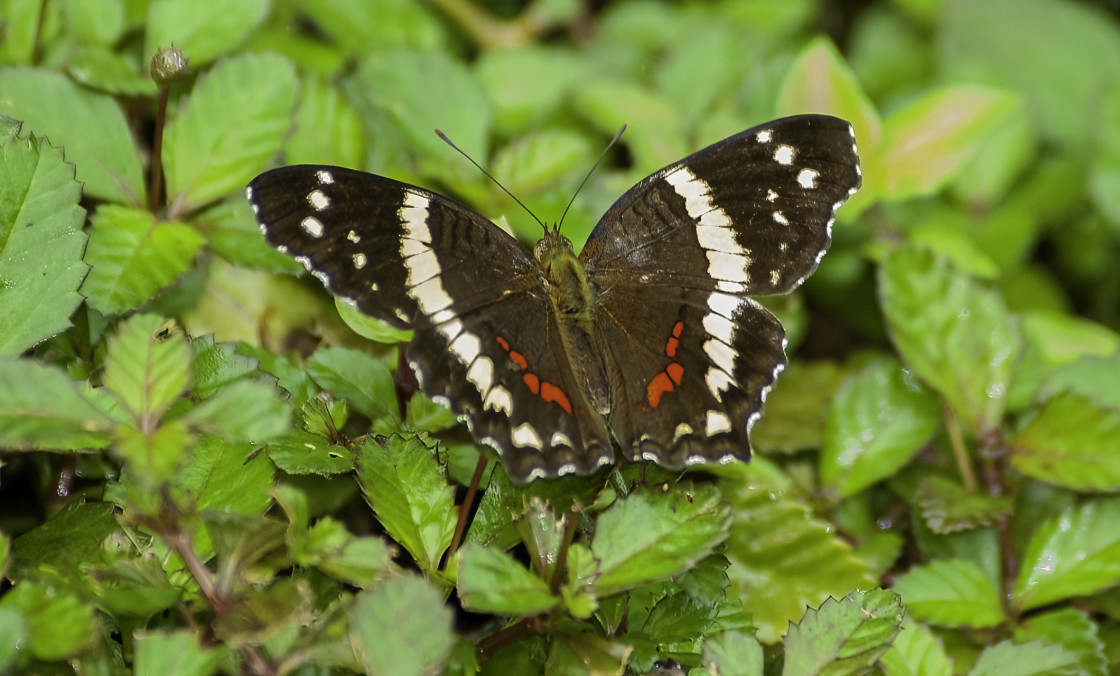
(975, 41)
(879, 419)
(201, 32)
(41, 242)
(926, 143)
(410, 495)
(67, 542)
(526, 85)
(734, 653)
(228, 477)
(1104, 180)
(955, 335)
(916, 652)
(491, 582)
(327, 130)
(134, 256)
(1031, 659)
(1075, 553)
(1071, 629)
(948, 507)
(1091, 375)
(175, 653)
(243, 411)
(91, 127)
(1071, 442)
(368, 327)
(40, 408)
(98, 67)
(216, 365)
(400, 23)
(415, 91)
(786, 559)
(539, 160)
(59, 625)
(952, 593)
(356, 560)
(210, 150)
(796, 410)
(843, 637)
(401, 627)
(301, 452)
(652, 535)
(361, 380)
(145, 372)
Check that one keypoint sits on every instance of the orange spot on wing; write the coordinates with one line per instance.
(677, 329)
(671, 347)
(533, 382)
(676, 372)
(657, 387)
(519, 359)
(551, 393)
(503, 343)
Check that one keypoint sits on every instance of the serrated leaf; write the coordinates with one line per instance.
(952, 593)
(733, 653)
(361, 380)
(879, 419)
(916, 652)
(230, 477)
(678, 618)
(327, 130)
(1071, 629)
(796, 410)
(414, 92)
(526, 84)
(409, 493)
(1075, 553)
(955, 335)
(202, 33)
(356, 560)
(209, 150)
(948, 507)
(649, 536)
(928, 141)
(146, 372)
(1031, 659)
(783, 558)
(59, 624)
(489, 581)
(586, 653)
(246, 410)
(69, 541)
(91, 127)
(539, 160)
(133, 256)
(175, 652)
(301, 452)
(40, 408)
(41, 242)
(1072, 442)
(401, 627)
(216, 365)
(843, 637)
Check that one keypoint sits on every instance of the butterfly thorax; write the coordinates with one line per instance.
(567, 279)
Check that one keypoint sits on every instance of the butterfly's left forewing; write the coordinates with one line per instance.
(674, 263)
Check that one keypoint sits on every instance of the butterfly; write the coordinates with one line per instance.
(646, 345)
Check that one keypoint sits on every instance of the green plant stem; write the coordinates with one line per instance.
(956, 438)
(488, 32)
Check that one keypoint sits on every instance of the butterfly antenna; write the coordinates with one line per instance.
(593, 168)
(491, 177)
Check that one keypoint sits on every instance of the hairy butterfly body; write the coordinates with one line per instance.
(648, 341)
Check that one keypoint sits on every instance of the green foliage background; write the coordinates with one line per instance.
(208, 465)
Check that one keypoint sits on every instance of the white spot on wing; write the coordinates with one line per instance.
(498, 399)
(780, 218)
(481, 374)
(353, 237)
(807, 178)
(784, 155)
(312, 226)
(359, 261)
(324, 177)
(764, 136)
(717, 423)
(524, 435)
(318, 200)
